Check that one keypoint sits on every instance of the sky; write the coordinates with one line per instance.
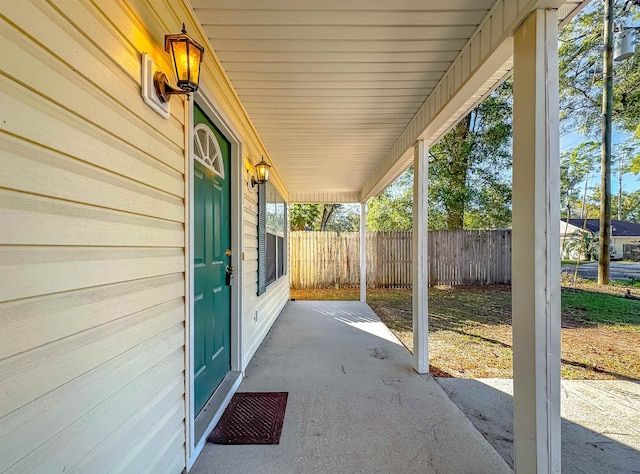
(630, 182)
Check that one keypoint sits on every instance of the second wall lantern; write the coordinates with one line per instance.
(262, 173)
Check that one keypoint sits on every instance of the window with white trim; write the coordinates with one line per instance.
(272, 236)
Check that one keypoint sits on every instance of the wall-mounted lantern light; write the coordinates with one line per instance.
(262, 173)
(186, 56)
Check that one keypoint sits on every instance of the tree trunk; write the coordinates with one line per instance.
(327, 212)
(459, 150)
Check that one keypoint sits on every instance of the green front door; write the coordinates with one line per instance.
(212, 244)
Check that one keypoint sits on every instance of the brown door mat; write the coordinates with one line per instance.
(251, 418)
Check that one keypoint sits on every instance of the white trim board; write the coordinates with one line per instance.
(213, 111)
(228, 386)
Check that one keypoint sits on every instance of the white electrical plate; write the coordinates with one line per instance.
(148, 90)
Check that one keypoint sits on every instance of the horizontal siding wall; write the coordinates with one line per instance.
(92, 253)
(91, 246)
(260, 312)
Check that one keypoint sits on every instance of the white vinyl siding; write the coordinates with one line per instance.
(92, 257)
(268, 305)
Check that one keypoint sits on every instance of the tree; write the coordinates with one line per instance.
(393, 208)
(580, 245)
(583, 86)
(324, 217)
(469, 177)
(492, 209)
(344, 218)
(581, 80)
(575, 167)
(304, 216)
(630, 206)
(580, 53)
(327, 212)
(629, 155)
(591, 203)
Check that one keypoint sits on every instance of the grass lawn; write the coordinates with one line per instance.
(470, 329)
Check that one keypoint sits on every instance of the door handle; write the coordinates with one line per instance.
(229, 275)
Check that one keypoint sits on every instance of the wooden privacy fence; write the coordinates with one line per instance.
(460, 257)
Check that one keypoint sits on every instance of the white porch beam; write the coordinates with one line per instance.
(328, 197)
(420, 259)
(363, 252)
(482, 64)
(536, 246)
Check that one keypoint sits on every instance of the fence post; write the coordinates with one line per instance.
(363, 252)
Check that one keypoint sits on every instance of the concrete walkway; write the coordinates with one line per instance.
(600, 420)
(355, 403)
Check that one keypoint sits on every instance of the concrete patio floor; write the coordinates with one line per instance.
(600, 428)
(355, 403)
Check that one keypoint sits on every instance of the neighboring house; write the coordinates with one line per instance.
(122, 338)
(622, 233)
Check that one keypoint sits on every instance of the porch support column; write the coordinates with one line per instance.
(536, 246)
(420, 277)
(363, 252)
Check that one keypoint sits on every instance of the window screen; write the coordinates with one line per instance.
(271, 258)
(272, 236)
(281, 257)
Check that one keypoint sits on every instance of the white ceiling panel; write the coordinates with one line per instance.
(225, 45)
(338, 32)
(336, 56)
(346, 5)
(331, 84)
(337, 67)
(313, 84)
(345, 18)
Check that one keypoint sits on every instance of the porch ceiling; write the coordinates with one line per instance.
(331, 85)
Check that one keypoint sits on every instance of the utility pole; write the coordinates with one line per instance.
(605, 162)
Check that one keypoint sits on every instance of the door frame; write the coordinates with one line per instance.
(213, 111)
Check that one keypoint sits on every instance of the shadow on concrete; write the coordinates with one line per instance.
(355, 403)
(371, 324)
(600, 433)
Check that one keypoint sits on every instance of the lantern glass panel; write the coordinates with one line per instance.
(179, 51)
(195, 56)
(263, 172)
